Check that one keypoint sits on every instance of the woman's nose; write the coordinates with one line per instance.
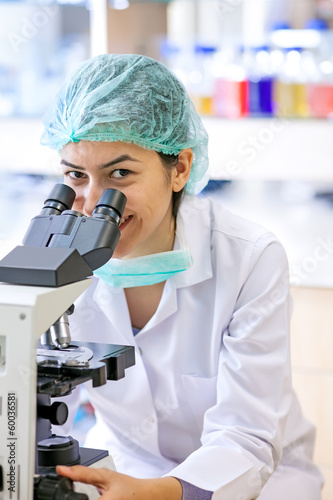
(90, 200)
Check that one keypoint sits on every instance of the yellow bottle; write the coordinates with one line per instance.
(291, 89)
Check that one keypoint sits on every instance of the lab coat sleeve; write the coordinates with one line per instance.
(242, 433)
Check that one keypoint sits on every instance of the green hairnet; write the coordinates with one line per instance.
(129, 98)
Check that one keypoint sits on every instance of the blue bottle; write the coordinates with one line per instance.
(261, 83)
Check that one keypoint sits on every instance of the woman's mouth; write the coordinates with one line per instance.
(125, 221)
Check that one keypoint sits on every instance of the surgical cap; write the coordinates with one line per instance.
(133, 99)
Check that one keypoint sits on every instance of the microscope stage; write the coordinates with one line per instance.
(60, 370)
(73, 355)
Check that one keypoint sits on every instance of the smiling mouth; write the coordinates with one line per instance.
(124, 221)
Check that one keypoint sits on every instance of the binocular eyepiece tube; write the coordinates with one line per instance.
(61, 198)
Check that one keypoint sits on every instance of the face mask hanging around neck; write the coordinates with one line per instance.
(145, 270)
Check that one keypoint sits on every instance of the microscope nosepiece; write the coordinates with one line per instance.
(59, 332)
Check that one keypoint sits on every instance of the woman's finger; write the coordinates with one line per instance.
(88, 475)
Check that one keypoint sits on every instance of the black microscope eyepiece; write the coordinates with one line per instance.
(60, 198)
(110, 205)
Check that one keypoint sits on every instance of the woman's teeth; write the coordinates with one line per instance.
(124, 219)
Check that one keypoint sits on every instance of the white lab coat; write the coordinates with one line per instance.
(210, 399)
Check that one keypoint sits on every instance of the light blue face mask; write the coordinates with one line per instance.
(145, 270)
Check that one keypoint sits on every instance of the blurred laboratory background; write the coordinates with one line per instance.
(260, 72)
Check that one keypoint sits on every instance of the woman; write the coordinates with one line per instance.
(203, 295)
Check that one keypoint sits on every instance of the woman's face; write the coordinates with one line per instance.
(147, 225)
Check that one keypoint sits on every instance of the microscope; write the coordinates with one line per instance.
(40, 281)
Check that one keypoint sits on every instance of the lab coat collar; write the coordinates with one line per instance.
(194, 231)
(112, 303)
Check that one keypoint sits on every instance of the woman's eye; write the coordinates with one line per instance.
(120, 172)
(74, 174)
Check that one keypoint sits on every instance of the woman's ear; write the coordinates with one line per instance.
(182, 169)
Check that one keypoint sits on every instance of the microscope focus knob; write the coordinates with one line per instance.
(56, 488)
(57, 413)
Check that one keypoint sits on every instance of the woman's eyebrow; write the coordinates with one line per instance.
(117, 160)
(71, 165)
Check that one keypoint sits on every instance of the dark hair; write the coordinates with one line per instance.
(170, 161)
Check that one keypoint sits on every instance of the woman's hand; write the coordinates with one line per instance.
(115, 486)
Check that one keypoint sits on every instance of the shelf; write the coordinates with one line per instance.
(270, 149)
